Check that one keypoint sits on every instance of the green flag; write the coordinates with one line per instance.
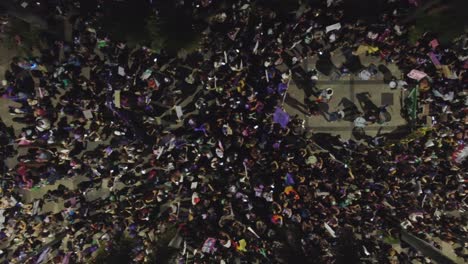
(413, 103)
(102, 43)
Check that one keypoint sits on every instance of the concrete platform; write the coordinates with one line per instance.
(347, 88)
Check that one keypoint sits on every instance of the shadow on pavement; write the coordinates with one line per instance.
(350, 109)
(397, 134)
(294, 103)
(369, 108)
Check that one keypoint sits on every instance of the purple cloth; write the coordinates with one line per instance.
(66, 259)
(434, 58)
(282, 87)
(201, 128)
(270, 90)
(289, 179)
(383, 36)
(209, 245)
(281, 117)
(109, 150)
(73, 201)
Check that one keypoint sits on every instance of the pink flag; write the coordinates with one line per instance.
(416, 75)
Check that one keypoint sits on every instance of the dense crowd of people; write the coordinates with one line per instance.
(241, 180)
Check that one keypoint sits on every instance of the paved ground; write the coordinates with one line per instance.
(348, 87)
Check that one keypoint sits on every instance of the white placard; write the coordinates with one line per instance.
(88, 114)
(330, 230)
(333, 27)
(86, 71)
(146, 74)
(117, 98)
(255, 48)
(179, 112)
(121, 71)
